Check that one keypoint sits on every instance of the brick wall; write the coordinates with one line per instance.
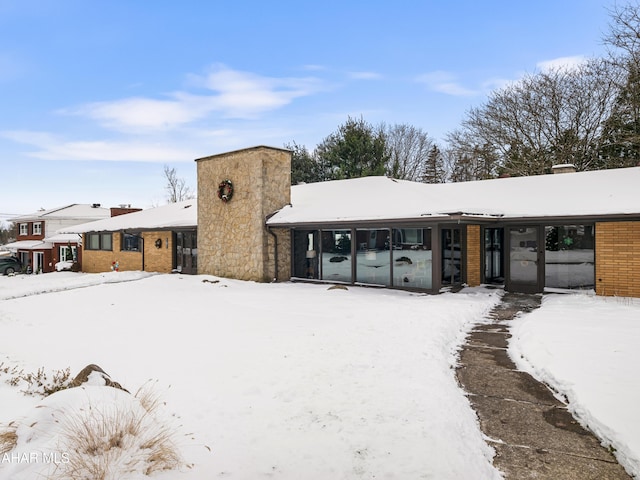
(158, 259)
(618, 259)
(96, 261)
(473, 256)
(155, 259)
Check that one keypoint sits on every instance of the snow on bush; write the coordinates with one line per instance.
(95, 432)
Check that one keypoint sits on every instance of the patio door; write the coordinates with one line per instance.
(187, 252)
(38, 262)
(526, 265)
(451, 243)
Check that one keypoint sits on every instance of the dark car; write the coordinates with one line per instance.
(9, 265)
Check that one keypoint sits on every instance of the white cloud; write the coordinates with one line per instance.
(141, 113)
(246, 95)
(51, 147)
(364, 75)
(445, 82)
(314, 67)
(562, 63)
(234, 94)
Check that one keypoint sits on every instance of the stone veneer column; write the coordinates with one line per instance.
(232, 238)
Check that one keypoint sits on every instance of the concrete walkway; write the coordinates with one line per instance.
(534, 435)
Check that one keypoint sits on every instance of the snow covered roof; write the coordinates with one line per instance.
(594, 193)
(27, 245)
(62, 238)
(181, 214)
(75, 211)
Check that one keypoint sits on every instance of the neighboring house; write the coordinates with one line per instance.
(530, 234)
(161, 239)
(37, 243)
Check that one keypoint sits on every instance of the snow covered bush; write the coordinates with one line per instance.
(95, 432)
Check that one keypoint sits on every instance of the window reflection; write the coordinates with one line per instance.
(569, 256)
(305, 254)
(373, 260)
(336, 255)
(412, 257)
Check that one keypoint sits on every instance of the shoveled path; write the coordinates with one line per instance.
(534, 435)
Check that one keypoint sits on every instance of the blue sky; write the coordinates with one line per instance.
(96, 97)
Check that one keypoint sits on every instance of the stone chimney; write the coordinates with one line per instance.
(232, 238)
(564, 168)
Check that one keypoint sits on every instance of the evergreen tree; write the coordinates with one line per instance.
(434, 171)
(304, 167)
(355, 150)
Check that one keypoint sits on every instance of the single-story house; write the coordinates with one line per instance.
(161, 239)
(530, 234)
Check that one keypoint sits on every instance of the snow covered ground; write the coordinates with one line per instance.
(587, 349)
(291, 381)
(283, 381)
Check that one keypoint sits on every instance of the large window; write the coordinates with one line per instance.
(336, 255)
(373, 259)
(569, 256)
(130, 243)
(99, 241)
(24, 229)
(412, 257)
(37, 228)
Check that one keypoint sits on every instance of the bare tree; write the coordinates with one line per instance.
(468, 159)
(177, 189)
(544, 119)
(624, 30)
(620, 145)
(407, 151)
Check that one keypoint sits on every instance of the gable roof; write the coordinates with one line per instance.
(73, 211)
(181, 214)
(594, 193)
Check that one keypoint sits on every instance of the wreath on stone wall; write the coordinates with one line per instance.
(225, 190)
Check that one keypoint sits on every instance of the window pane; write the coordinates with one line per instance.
(130, 242)
(336, 255)
(451, 256)
(305, 254)
(106, 241)
(412, 257)
(373, 260)
(93, 241)
(569, 256)
(523, 255)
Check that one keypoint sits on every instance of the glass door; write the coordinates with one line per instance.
(451, 256)
(493, 255)
(525, 267)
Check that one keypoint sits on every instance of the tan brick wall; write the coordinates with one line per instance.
(232, 238)
(473, 256)
(618, 259)
(96, 261)
(156, 260)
